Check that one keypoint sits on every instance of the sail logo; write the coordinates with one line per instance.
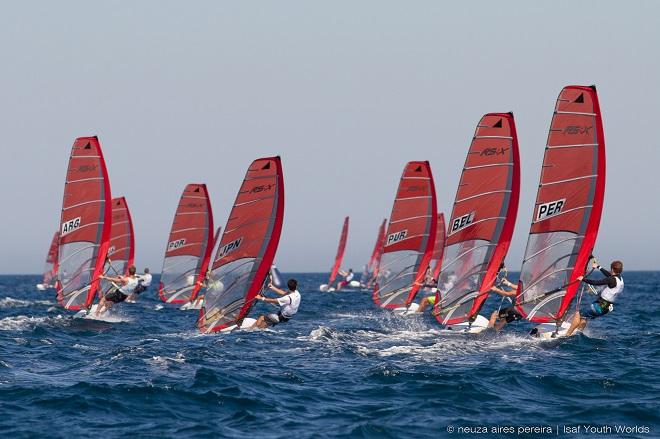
(194, 205)
(228, 248)
(173, 245)
(546, 210)
(396, 237)
(493, 151)
(70, 226)
(461, 222)
(416, 188)
(577, 129)
(111, 250)
(262, 188)
(85, 168)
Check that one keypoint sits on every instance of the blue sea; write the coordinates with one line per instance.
(340, 368)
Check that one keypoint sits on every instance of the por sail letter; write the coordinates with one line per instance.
(546, 210)
(176, 244)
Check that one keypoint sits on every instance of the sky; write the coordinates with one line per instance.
(346, 92)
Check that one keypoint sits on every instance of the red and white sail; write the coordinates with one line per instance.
(121, 251)
(439, 247)
(568, 207)
(84, 225)
(370, 270)
(409, 238)
(247, 247)
(339, 257)
(189, 246)
(50, 269)
(482, 219)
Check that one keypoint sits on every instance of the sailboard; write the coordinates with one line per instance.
(341, 248)
(50, 269)
(409, 238)
(371, 268)
(482, 222)
(189, 247)
(568, 208)
(84, 225)
(121, 251)
(247, 248)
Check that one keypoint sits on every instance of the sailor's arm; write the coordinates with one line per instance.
(266, 299)
(509, 284)
(119, 279)
(504, 293)
(599, 282)
(277, 290)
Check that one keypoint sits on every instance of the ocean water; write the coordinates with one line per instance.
(340, 368)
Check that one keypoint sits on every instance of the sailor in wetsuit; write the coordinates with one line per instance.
(128, 285)
(613, 283)
(348, 277)
(144, 282)
(503, 316)
(289, 303)
(429, 283)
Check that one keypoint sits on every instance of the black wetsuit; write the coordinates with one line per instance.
(609, 279)
(601, 306)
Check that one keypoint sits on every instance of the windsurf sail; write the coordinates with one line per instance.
(482, 219)
(568, 207)
(341, 248)
(439, 247)
(84, 225)
(247, 247)
(50, 269)
(409, 238)
(371, 267)
(189, 246)
(121, 251)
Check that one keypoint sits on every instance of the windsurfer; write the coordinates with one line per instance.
(144, 282)
(503, 316)
(203, 284)
(429, 283)
(289, 303)
(117, 295)
(613, 283)
(348, 277)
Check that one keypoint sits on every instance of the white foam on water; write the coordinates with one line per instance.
(10, 302)
(21, 323)
(161, 362)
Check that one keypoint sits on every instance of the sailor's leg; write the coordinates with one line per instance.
(501, 324)
(100, 306)
(575, 323)
(260, 323)
(493, 319)
(422, 305)
(582, 324)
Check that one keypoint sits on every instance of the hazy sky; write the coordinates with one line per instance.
(345, 91)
